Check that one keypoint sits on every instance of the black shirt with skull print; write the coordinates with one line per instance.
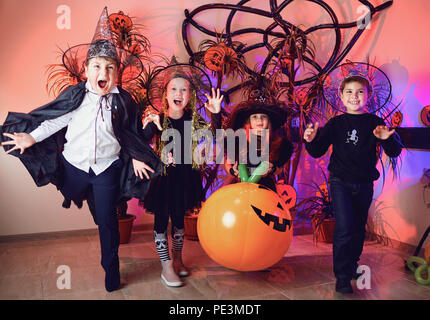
(354, 153)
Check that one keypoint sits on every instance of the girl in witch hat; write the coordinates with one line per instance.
(260, 116)
(86, 141)
(176, 91)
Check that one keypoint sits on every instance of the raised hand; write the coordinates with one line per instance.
(310, 132)
(140, 169)
(383, 132)
(20, 141)
(151, 117)
(214, 103)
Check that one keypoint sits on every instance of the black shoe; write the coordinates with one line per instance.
(112, 281)
(343, 286)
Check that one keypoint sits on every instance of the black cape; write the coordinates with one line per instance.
(42, 160)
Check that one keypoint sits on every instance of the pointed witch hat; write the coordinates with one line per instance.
(102, 45)
(261, 97)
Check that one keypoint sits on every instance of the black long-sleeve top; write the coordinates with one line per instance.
(354, 155)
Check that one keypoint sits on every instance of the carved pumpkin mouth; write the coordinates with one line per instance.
(267, 218)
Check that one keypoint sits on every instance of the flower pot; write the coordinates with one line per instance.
(125, 226)
(190, 222)
(325, 230)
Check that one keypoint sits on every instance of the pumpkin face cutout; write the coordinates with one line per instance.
(425, 116)
(120, 23)
(215, 57)
(397, 119)
(245, 227)
(287, 193)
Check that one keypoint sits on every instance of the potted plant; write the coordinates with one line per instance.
(125, 222)
(190, 222)
(318, 210)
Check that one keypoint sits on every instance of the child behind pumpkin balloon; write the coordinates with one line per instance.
(261, 116)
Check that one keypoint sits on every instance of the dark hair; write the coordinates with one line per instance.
(358, 79)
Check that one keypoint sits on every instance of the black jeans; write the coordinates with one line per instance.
(351, 203)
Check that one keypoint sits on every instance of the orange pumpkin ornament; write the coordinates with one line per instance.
(217, 56)
(245, 227)
(287, 193)
(425, 116)
(397, 119)
(120, 23)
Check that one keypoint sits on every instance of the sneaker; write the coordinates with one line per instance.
(343, 286)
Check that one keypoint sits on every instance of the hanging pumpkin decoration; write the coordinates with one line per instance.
(136, 49)
(287, 193)
(301, 97)
(285, 61)
(425, 116)
(128, 36)
(397, 119)
(220, 58)
(120, 23)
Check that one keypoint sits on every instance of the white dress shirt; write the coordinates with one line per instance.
(90, 140)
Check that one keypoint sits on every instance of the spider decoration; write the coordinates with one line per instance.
(288, 48)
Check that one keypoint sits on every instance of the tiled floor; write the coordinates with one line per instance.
(29, 271)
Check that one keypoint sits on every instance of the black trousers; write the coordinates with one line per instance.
(351, 203)
(105, 189)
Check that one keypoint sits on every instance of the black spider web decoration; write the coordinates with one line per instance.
(276, 8)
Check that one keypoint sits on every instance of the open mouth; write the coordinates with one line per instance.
(102, 84)
(177, 102)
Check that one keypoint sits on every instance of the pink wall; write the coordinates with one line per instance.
(396, 41)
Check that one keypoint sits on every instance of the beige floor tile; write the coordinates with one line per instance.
(21, 287)
(29, 271)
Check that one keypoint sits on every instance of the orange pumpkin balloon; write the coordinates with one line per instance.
(245, 227)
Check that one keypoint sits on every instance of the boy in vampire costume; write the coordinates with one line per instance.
(86, 141)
